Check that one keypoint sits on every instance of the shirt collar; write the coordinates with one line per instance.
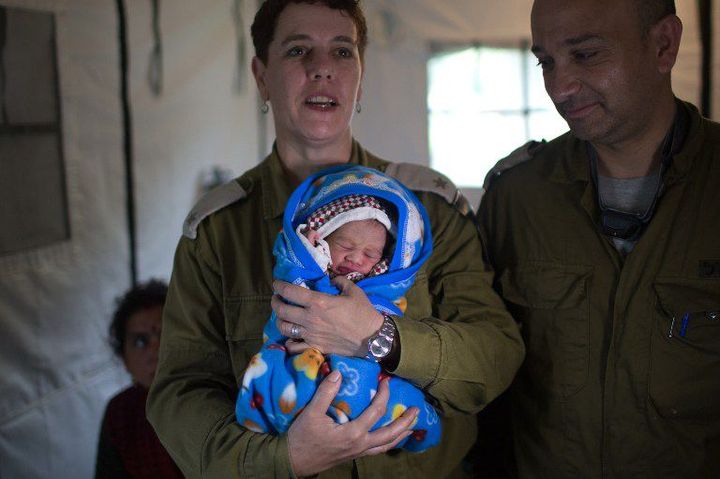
(692, 142)
(680, 145)
(276, 185)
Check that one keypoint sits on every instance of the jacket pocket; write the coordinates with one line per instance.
(550, 301)
(684, 377)
(245, 318)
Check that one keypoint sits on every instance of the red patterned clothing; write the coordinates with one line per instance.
(128, 446)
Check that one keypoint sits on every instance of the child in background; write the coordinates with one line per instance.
(128, 446)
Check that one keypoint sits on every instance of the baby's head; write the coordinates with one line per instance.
(357, 246)
(355, 228)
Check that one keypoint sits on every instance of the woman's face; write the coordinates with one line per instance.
(312, 76)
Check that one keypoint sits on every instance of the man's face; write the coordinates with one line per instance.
(600, 71)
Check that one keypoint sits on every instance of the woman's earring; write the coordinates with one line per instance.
(358, 107)
(264, 108)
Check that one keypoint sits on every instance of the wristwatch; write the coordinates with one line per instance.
(380, 344)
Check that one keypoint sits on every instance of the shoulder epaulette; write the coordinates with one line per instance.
(520, 155)
(213, 201)
(422, 178)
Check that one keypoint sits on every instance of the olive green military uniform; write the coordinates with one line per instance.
(458, 343)
(611, 386)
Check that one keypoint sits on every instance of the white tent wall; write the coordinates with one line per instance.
(205, 116)
(55, 302)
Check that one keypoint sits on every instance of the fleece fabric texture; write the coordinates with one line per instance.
(276, 385)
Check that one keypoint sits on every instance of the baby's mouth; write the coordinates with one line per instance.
(343, 270)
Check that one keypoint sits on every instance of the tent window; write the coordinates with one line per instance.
(483, 102)
(33, 199)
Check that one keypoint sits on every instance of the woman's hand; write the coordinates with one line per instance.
(316, 443)
(333, 324)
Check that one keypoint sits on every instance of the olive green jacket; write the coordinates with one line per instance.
(458, 342)
(604, 390)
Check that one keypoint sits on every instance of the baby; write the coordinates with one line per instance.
(355, 222)
(349, 237)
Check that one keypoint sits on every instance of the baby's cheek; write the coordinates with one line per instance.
(334, 259)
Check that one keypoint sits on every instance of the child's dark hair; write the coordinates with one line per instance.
(142, 296)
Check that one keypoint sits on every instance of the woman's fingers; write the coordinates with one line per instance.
(386, 447)
(295, 347)
(324, 395)
(387, 437)
(287, 312)
(293, 293)
(291, 330)
(376, 409)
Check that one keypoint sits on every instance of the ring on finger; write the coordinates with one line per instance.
(295, 331)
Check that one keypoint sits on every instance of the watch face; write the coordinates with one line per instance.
(380, 347)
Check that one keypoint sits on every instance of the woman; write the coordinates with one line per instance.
(456, 341)
(128, 446)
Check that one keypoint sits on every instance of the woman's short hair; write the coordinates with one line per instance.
(263, 27)
(142, 296)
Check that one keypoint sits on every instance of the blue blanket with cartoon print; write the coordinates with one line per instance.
(276, 385)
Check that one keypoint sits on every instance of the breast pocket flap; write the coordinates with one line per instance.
(541, 286)
(245, 317)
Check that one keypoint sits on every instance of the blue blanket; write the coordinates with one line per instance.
(277, 386)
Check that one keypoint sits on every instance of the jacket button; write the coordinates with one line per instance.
(674, 412)
(713, 315)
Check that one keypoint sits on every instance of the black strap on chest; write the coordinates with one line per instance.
(630, 226)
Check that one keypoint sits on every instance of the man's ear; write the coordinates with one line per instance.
(258, 70)
(665, 36)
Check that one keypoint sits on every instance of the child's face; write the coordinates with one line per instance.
(142, 342)
(357, 246)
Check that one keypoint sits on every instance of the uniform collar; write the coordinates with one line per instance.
(695, 133)
(682, 144)
(574, 164)
(276, 185)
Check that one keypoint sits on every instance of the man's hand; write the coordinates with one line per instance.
(333, 324)
(316, 443)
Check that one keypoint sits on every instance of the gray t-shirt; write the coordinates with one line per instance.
(629, 195)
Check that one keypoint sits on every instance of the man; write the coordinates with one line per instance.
(605, 248)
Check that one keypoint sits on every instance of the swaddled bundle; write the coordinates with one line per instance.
(276, 385)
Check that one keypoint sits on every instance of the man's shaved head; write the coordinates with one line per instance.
(650, 11)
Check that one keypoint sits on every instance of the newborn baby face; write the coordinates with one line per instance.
(357, 246)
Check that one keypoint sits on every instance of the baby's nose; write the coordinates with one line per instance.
(355, 257)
